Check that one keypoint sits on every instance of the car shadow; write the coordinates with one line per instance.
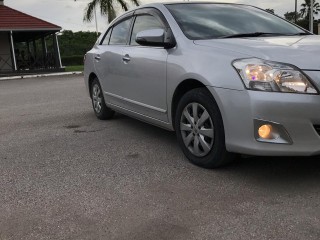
(267, 169)
(145, 128)
(289, 170)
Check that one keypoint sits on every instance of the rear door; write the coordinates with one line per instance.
(108, 56)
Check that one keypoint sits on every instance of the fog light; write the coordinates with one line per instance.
(265, 131)
(271, 132)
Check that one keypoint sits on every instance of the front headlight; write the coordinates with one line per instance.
(258, 74)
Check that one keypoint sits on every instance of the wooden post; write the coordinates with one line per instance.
(57, 51)
(34, 49)
(44, 51)
(13, 52)
(28, 48)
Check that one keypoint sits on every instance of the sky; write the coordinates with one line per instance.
(69, 13)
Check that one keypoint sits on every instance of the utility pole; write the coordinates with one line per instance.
(296, 11)
(95, 18)
(311, 15)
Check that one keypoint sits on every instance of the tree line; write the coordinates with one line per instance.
(73, 46)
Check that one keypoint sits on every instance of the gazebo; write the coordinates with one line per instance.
(27, 44)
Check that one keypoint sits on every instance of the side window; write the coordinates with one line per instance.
(120, 33)
(144, 22)
(107, 37)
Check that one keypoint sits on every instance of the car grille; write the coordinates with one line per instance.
(317, 128)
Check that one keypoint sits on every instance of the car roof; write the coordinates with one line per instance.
(189, 2)
(160, 5)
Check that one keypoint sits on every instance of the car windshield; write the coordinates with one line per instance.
(207, 21)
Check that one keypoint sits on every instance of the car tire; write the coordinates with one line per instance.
(99, 106)
(200, 131)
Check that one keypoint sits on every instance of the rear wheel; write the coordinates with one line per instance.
(99, 106)
(200, 130)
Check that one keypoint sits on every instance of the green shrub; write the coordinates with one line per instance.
(74, 68)
(72, 60)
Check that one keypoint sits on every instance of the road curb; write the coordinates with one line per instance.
(40, 75)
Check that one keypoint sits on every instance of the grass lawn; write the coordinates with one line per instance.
(74, 68)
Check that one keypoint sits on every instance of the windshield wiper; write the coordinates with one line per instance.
(258, 34)
(300, 34)
(253, 34)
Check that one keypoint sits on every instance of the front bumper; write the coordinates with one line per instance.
(297, 113)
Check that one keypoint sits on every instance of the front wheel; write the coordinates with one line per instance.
(99, 106)
(200, 130)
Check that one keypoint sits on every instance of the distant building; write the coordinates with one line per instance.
(27, 44)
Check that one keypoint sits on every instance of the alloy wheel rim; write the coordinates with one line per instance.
(96, 98)
(197, 129)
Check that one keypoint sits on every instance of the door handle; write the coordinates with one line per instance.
(126, 58)
(97, 57)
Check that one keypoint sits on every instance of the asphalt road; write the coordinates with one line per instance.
(66, 175)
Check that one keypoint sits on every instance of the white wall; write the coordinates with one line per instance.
(5, 53)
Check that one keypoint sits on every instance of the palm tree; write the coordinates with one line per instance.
(292, 16)
(305, 10)
(107, 7)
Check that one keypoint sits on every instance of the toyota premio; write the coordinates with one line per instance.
(228, 78)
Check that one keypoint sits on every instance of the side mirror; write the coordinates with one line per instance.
(155, 38)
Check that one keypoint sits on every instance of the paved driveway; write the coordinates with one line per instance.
(66, 175)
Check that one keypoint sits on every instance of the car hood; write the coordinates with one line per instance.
(301, 51)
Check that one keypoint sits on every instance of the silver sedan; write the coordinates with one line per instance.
(228, 78)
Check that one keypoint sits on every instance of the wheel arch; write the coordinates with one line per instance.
(92, 76)
(188, 85)
(183, 87)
